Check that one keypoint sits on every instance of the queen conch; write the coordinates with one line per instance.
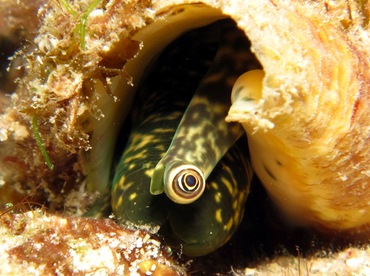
(307, 124)
(305, 112)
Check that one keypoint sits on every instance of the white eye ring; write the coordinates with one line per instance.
(184, 184)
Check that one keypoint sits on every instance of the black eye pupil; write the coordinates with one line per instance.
(190, 180)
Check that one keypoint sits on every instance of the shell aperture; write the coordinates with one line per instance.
(205, 140)
(159, 110)
(159, 105)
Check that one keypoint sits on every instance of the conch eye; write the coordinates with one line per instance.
(184, 184)
(188, 182)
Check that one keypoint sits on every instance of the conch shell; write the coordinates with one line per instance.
(308, 129)
(308, 126)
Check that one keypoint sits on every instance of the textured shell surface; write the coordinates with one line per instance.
(308, 155)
